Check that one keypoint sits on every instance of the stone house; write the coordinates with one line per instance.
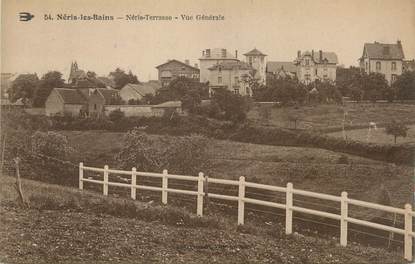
(256, 59)
(211, 57)
(65, 101)
(80, 102)
(173, 69)
(230, 75)
(386, 59)
(312, 66)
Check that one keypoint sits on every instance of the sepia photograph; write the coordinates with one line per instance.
(207, 131)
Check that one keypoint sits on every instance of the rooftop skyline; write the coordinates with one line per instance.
(276, 28)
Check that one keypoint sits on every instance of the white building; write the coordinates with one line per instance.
(312, 66)
(230, 75)
(256, 60)
(211, 57)
(386, 59)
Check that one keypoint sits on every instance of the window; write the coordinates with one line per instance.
(307, 62)
(378, 67)
(393, 78)
(250, 61)
(325, 76)
(393, 66)
(236, 91)
(95, 106)
(367, 66)
(220, 79)
(236, 80)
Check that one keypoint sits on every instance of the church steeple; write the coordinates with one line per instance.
(73, 72)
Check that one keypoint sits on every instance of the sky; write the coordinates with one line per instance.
(277, 28)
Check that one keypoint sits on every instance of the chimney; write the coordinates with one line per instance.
(236, 53)
(321, 55)
(299, 54)
(223, 53)
(208, 53)
(399, 43)
(196, 66)
(203, 53)
(187, 62)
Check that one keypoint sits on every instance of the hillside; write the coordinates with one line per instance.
(308, 168)
(64, 225)
(330, 117)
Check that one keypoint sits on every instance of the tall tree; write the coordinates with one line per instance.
(50, 80)
(23, 87)
(121, 78)
(405, 86)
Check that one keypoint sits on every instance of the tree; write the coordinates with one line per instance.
(50, 80)
(23, 87)
(189, 91)
(396, 129)
(233, 106)
(121, 78)
(405, 86)
(344, 79)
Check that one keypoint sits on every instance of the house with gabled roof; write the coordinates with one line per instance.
(65, 101)
(210, 57)
(80, 102)
(312, 66)
(173, 69)
(138, 91)
(383, 58)
(281, 69)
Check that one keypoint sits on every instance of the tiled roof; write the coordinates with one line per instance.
(141, 88)
(71, 96)
(255, 52)
(331, 57)
(276, 66)
(218, 54)
(230, 65)
(108, 94)
(168, 104)
(107, 81)
(383, 51)
(177, 61)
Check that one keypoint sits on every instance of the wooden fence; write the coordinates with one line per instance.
(288, 206)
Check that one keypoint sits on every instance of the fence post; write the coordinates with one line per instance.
(81, 175)
(164, 187)
(133, 183)
(200, 194)
(288, 209)
(106, 180)
(408, 231)
(343, 219)
(241, 203)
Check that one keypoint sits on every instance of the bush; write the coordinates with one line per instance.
(50, 158)
(182, 155)
(116, 115)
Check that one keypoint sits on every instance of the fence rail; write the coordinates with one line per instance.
(202, 194)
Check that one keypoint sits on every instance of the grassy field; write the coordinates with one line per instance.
(330, 117)
(307, 168)
(377, 136)
(64, 225)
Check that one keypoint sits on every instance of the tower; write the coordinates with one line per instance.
(256, 60)
(73, 72)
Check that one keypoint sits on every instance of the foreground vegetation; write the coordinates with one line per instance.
(64, 225)
(308, 168)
